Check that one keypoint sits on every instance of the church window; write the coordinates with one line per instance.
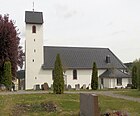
(33, 29)
(34, 40)
(74, 74)
(33, 60)
(119, 81)
(52, 74)
(102, 81)
(34, 50)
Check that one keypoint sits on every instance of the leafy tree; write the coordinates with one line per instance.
(94, 79)
(134, 77)
(58, 83)
(7, 75)
(9, 43)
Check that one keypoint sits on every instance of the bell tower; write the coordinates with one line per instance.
(33, 47)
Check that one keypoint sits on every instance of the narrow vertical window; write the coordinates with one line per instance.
(52, 74)
(102, 81)
(119, 81)
(74, 74)
(33, 29)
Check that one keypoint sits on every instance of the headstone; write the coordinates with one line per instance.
(77, 87)
(69, 87)
(84, 86)
(89, 105)
(45, 86)
(2, 87)
(37, 87)
(65, 86)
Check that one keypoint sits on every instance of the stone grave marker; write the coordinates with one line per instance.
(89, 105)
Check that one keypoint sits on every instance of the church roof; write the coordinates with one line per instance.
(80, 58)
(114, 73)
(32, 17)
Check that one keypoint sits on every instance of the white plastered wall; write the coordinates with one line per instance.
(33, 54)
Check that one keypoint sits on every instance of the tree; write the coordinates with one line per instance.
(94, 79)
(134, 77)
(58, 83)
(136, 63)
(9, 43)
(7, 75)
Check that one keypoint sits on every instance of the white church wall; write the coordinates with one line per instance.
(83, 77)
(33, 54)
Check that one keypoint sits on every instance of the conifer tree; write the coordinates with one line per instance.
(136, 63)
(134, 77)
(58, 83)
(94, 79)
(7, 75)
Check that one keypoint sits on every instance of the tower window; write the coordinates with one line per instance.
(33, 29)
(34, 50)
(33, 60)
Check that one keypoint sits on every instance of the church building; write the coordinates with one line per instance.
(77, 61)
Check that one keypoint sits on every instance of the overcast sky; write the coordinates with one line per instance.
(113, 24)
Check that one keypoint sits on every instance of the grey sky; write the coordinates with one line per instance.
(114, 24)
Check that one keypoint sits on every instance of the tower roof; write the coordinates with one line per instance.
(32, 17)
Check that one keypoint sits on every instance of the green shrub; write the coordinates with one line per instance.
(7, 75)
(58, 83)
(94, 79)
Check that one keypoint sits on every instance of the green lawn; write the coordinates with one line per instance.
(67, 105)
(130, 92)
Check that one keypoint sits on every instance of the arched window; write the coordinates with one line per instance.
(74, 74)
(33, 29)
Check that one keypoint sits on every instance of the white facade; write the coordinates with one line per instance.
(34, 74)
(83, 78)
(112, 82)
(34, 54)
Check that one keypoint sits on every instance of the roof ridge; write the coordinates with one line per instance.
(79, 47)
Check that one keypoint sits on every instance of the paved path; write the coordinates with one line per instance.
(106, 93)
(110, 94)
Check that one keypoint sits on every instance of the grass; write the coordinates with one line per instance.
(67, 105)
(110, 104)
(130, 92)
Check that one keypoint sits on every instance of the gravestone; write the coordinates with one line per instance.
(2, 87)
(45, 86)
(77, 87)
(69, 87)
(84, 86)
(89, 105)
(37, 87)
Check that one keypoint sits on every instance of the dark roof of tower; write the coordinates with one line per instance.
(32, 17)
(80, 58)
(114, 73)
